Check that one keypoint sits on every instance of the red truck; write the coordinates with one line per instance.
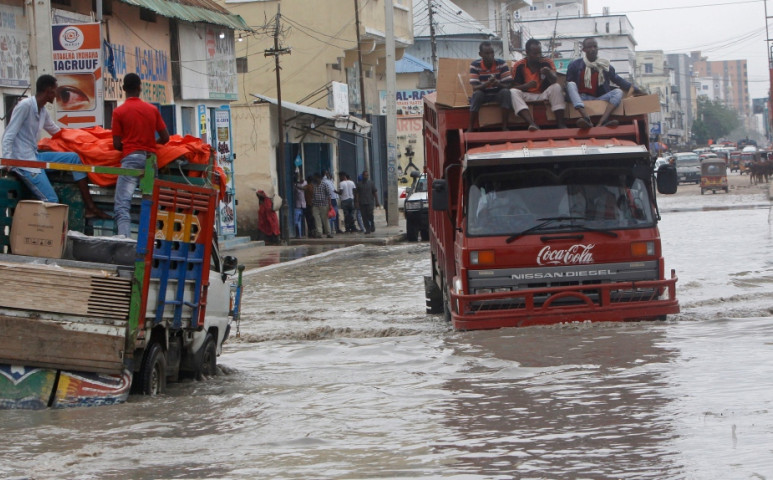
(556, 225)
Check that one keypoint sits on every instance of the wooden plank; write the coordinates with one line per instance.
(62, 345)
(72, 291)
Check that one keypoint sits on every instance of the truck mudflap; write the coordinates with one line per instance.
(33, 388)
(610, 302)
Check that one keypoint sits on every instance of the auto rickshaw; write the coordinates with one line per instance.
(713, 175)
(735, 161)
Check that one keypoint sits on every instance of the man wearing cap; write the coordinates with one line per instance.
(135, 124)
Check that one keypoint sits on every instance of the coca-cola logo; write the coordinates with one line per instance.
(574, 255)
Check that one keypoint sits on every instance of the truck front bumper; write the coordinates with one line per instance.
(611, 302)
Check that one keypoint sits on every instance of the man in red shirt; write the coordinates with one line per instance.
(135, 124)
(534, 79)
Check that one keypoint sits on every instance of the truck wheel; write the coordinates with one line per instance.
(207, 365)
(153, 372)
(433, 295)
(446, 304)
(425, 235)
(411, 232)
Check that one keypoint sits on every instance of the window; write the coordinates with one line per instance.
(241, 65)
(107, 7)
(648, 68)
(147, 15)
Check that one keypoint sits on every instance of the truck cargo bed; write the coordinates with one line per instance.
(63, 314)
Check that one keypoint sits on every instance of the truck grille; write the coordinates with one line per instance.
(562, 286)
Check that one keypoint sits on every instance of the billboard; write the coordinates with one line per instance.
(77, 58)
(14, 47)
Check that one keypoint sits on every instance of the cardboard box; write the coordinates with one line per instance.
(39, 229)
(453, 82)
(492, 115)
(594, 108)
(641, 105)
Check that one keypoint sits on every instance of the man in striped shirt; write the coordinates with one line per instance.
(490, 80)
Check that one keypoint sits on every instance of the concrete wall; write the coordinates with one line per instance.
(254, 132)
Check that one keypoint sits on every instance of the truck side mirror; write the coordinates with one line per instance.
(667, 180)
(439, 195)
(229, 265)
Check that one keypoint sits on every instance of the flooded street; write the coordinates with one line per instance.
(339, 373)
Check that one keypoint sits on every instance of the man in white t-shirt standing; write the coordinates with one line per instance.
(346, 191)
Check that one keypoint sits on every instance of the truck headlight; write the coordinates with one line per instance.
(412, 206)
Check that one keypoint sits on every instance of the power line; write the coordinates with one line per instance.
(692, 6)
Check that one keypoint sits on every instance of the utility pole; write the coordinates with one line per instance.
(391, 116)
(366, 146)
(432, 41)
(769, 43)
(280, 152)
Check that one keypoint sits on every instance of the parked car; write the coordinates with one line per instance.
(688, 167)
(417, 209)
(401, 196)
(659, 162)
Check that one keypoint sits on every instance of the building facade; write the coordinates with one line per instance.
(315, 49)
(732, 78)
(184, 55)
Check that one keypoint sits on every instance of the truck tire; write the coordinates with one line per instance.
(411, 232)
(446, 304)
(206, 365)
(433, 295)
(153, 372)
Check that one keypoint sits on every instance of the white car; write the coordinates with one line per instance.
(659, 162)
(401, 195)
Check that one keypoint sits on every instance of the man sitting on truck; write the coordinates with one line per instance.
(534, 78)
(588, 78)
(20, 142)
(490, 79)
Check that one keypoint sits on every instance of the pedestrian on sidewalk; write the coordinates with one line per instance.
(268, 222)
(347, 189)
(328, 179)
(366, 200)
(300, 205)
(321, 204)
(308, 193)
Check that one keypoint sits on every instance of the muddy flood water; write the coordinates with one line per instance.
(338, 373)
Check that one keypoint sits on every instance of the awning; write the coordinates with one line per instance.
(194, 11)
(344, 123)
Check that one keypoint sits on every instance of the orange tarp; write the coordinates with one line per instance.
(95, 147)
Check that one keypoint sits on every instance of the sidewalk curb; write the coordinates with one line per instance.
(309, 259)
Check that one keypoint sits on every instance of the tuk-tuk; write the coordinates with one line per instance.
(735, 161)
(713, 175)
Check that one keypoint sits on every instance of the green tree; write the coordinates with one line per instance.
(714, 121)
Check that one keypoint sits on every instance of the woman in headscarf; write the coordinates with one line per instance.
(268, 222)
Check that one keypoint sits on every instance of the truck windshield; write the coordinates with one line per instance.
(508, 203)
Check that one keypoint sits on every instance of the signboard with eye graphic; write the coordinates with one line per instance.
(77, 56)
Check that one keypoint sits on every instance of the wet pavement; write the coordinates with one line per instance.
(256, 255)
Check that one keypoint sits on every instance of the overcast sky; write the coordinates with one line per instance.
(720, 29)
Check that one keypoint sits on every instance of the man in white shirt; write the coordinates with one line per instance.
(346, 190)
(20, 142)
